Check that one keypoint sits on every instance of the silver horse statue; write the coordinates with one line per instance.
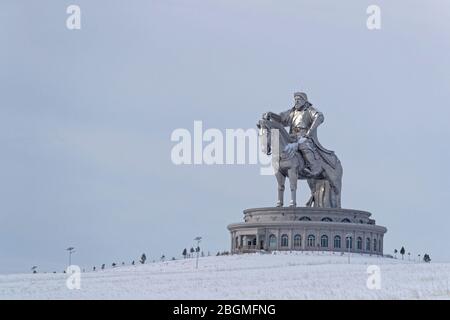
(325, 186)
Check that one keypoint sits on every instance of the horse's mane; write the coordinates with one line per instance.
(281, 129)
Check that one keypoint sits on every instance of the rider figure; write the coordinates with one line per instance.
(303, 121)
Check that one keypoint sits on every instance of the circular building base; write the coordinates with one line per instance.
(307, 228)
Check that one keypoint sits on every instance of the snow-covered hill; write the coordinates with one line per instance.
(250, 276)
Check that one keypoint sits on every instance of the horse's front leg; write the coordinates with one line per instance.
(281, 180)
(292, 173)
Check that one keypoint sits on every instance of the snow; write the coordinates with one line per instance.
(297, 275)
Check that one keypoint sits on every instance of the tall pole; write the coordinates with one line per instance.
(197, 249)
(196, 261)
(349, 251)
(70, 250)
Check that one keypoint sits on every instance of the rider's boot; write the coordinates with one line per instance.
(312, 165)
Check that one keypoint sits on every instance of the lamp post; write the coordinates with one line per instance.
(70, 250)
(197, 249)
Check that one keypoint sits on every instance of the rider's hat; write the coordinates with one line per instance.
(301, 94)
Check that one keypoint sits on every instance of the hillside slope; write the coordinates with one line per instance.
(250, 276)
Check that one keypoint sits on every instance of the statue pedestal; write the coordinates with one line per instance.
(307, 229)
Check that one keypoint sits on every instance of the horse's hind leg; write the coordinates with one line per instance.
(312, 199)
(281, 180)
(293, 183)
(334, 177)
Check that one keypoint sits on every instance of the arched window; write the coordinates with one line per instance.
(348, 242)
(305, 219)
(311, 241)
(368, 244)
(359, 243)
(284, 240)
(272, 241)
(326, 219)
(374, 244)
(337, 241)
(324, 241)
(297, 241)
(346, 220)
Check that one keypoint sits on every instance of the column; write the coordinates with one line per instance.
(291, 240)
(257, 239)
(304, 239)
(232, 242)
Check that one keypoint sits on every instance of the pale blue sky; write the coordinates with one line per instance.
(86, 118)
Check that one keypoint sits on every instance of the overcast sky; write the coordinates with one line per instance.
(86, 117)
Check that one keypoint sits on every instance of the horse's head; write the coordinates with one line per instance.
(264, 136)
(273, 138)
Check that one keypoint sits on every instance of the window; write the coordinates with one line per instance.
(254, 242)
(368, 244)
(311, 241)
(359, 243)
(326, 219)
(324, 241)
(346, 220)
(305, 219)
(374, 244)
(284, 240)
(348, 242)
(337, 241)
(297, 241)
(272, 241)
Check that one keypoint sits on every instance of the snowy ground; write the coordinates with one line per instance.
(250, 276)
